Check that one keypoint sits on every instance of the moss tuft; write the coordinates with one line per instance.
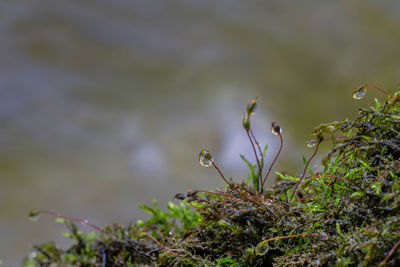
(348, 214)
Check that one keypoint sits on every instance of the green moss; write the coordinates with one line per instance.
(348, 214)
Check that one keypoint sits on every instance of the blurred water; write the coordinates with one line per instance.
(106, 104)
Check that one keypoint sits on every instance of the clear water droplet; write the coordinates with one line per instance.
(359, 92)
(205, 158)
(275, 129)
(85, 221)
(310, 143)
(34, 215)
(179, 196)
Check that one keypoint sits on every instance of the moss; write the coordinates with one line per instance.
(348, 214)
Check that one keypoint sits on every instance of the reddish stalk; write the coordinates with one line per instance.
(259, 149)
(273, 162)
(304, 198)
(305, 168)
(290, 236)
(258, 162)
(391, 252)
(376, 87)
(226, 181)
(161, 245)
(223, 177)
(84, 222)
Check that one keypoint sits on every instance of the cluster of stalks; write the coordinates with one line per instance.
(241, 194)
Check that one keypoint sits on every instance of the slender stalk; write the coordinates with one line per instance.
(258, 163)
(259, 149)
(273, 162)
(376, 87)
(84, 222)
(307, 197)
(391, 252)
(231, 185)
(290, 236)
(161, 245)
(305, 168)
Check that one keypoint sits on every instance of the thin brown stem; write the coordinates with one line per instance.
(391, 252)
(161, 245)
(84, 222)
(231, 185)
(305, 168)
(290, 236)
(259, 149)
(273, 162)
(258, 162)
(307, 197)
(376, 87)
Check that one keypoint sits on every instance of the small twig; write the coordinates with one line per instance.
(290, 236)
(138, 251)
(226, 181)
(305, 168)
(258, 163)
(304, 198)
(161, 245)
(376, 87)
(391, 252)
(273, 162)
(258, 147)
(72, 219)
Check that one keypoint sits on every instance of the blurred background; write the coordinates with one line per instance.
(106, 104)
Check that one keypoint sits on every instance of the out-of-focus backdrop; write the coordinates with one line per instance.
(106, 104)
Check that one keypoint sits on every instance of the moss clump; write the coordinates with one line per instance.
(347, 214)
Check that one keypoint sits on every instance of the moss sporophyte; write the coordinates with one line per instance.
(345, 214)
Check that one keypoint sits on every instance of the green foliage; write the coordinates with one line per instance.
(348, 214)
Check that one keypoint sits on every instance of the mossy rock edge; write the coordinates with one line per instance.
(345, 214)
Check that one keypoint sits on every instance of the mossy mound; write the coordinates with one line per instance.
(347, 214)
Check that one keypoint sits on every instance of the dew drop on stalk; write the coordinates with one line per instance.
(310, 143)
(275, 129)
(205, 158)
(34, 215)
(359, 92)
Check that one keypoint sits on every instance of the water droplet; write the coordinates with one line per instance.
(310, 143)
(205, 158)
(359, 92)
(275, 129)
(85, 221)
(179, 196)
(34, 215)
